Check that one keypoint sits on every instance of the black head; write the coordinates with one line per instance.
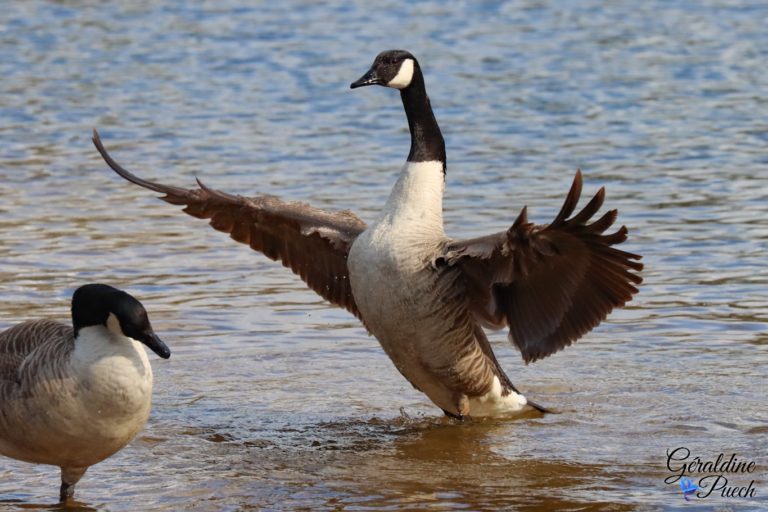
(100, 304)
(392, 68)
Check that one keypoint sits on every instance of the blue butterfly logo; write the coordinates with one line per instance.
(688, 487)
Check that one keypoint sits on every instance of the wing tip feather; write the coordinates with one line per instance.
(571, 200)
(129, 176)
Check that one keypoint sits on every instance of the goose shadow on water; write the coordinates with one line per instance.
(69, 506)
(421, 463)
(457, 466)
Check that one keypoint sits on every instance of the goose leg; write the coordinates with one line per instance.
(454, 416)
(69, 477)
(540, 408)
(462, 407)
(66, 491)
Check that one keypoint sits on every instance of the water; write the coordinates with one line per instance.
(272, 399)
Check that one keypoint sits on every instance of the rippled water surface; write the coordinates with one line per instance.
(275, 400)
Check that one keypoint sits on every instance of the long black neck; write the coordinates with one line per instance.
(427, 142)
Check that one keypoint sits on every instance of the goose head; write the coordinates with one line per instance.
(391, 68)
(118, 312)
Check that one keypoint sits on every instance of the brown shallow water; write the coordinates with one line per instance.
(275, 401)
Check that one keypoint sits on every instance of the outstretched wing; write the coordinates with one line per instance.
(313, 243)
(549, 284)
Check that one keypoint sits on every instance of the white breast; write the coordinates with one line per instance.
(415, 204)
(408, 230)
(389, 265)
(77, 410)
(116, 370)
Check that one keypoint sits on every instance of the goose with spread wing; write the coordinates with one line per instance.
(423, 295)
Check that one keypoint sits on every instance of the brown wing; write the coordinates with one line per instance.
(549, 284)
(313, 243)
(19, 341)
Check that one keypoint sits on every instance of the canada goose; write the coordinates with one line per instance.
(424, 296)
(73, 396)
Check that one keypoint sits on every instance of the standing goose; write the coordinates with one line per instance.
(73, 396)
(424, 296)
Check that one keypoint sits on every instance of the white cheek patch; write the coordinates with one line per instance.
(404, 75)
(113, 325)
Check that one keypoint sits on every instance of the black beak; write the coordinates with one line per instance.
(156, 345)
(370, 78)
